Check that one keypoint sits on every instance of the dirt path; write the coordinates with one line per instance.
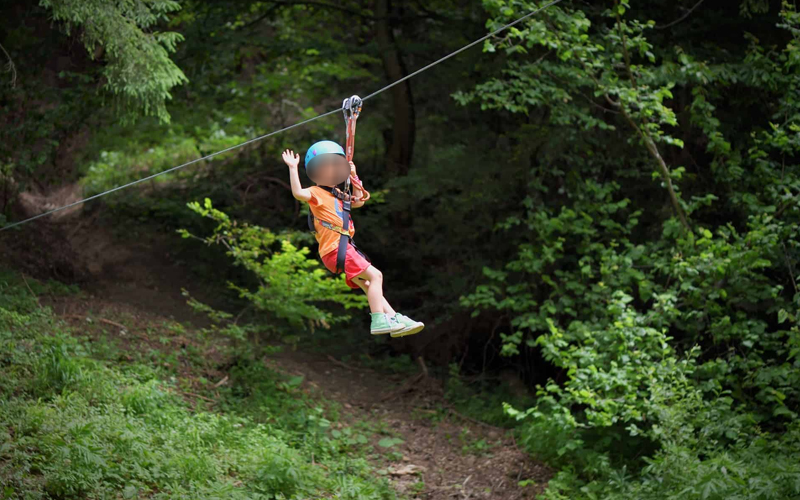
(432, 452)
(442, 458)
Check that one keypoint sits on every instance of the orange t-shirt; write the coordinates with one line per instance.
(327, 207)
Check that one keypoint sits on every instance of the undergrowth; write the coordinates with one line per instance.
(84, 419)
(482, 399)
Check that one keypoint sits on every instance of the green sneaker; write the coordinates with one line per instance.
(410, 327)
(381, 323)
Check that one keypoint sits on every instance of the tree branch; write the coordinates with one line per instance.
(673, 23)
(648, 141)
(785, 205)
(662, 166)
(11, 68)
(263, 16)
(789, 267)
(625, 49)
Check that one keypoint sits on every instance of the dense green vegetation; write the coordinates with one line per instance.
(85, 417)
(606, 200)
(677, 334)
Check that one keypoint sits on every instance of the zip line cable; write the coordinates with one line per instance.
(166, 171)
(448, 56)
(465, 47)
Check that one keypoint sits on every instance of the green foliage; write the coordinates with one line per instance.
(213, 314)
(114, 168)
(144, 156)
(290, 284)
(388, 442)
(675, 346)
(576, 61)
(617, 194)
(139, 70)
(76, 427)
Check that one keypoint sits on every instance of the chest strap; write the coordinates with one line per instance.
(324, 223)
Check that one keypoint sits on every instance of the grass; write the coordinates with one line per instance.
(88, 414)
(483, 400)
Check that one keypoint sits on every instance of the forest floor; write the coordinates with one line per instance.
(136, 286)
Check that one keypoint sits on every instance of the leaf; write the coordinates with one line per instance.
(782, 410)
(389, 442)
(129, 491)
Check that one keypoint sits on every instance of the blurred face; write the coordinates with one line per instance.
(330, 170)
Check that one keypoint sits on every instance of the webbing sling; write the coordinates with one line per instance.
(344, 239)
(351, 108)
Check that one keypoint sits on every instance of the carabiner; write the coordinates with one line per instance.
(351, 107)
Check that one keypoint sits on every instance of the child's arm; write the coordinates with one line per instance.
(292, 160)
(357, 193)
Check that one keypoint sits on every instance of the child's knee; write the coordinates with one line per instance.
(371, 274)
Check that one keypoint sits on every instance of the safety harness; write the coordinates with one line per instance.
(351, 108)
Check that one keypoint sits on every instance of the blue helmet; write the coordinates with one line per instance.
(321, 148)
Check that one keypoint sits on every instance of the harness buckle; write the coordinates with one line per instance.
(343, 194)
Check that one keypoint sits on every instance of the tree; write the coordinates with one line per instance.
(666, 340)
(138, 68)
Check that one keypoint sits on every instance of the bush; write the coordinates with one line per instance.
(291, 286)
(672, 332)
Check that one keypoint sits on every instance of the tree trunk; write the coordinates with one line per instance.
(400, 139)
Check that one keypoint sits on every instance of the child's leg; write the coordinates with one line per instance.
(364, 284)
(375, 289)
(405, 325)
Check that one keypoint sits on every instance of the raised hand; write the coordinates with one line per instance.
(291, 159)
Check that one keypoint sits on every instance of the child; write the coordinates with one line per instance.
(326, 164)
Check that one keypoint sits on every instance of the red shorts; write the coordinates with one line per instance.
(354, 264)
